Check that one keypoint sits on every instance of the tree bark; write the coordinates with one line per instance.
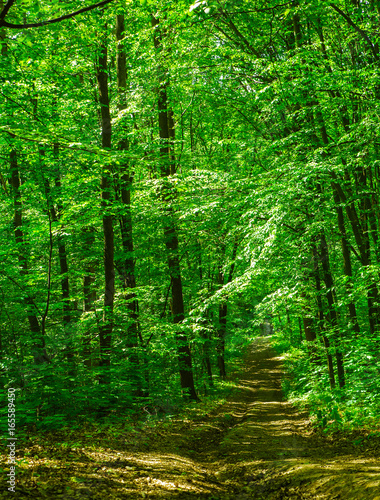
(126, 224)
(346, 263)
(125, 220)
(205, 334)
(64, 268)
(38, 341)
(167, 168)
(328, 279)
(221, 339)
(223, 314)
(105, 332)
(362, 242)
(326, 342)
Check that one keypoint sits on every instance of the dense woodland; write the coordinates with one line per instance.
(173, 175)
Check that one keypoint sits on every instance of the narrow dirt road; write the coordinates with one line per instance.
(255, 446)
(274, 454)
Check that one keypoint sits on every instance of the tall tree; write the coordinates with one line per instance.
(105, 333)
(37, 337)
(167, 169)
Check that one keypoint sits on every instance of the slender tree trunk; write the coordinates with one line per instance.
(310, 334)
(221, 340)
(364, 249)
(300, 328)
(223, 313)
(222, 320)
(367, 216)
(126, 225)
(373, 215)
(346, 264)
(204, 332)
(313, 103)
(125, 220)
(167, 133)
(288, 322)
(206, 350)
(308, 325)
(326, 342)
(105, 333)
(64, 269)
(38, 341)
(327, 278)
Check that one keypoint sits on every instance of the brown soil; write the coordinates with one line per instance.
(255, 446)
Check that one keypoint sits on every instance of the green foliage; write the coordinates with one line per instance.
(308, 387)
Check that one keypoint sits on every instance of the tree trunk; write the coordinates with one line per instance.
(326, 342)
(38, 341)
(125, 220)
(205, 334)
(364, 249)
(366, 216)
(346, 264)
(327, 278)
(126, 225)
(167, 168)
(64, 269)
(223, 313)
(222, 335)
(105, 333)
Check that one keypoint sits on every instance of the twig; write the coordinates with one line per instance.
(44, 23)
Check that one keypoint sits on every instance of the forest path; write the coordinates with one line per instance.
(271, 451)
(255, 446)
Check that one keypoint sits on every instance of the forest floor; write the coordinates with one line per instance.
(255, 446)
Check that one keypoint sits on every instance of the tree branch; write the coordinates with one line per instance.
(5, 11)
(362, 33)
(22, 289)
(241, 40)
(43, 23)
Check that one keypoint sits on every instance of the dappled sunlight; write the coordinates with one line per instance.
(253, 446)
(153, 474)
(271, 446)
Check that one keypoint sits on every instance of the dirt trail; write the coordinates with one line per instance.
(274, 453)
(255, 446)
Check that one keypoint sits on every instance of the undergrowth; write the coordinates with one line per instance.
(306, 384)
